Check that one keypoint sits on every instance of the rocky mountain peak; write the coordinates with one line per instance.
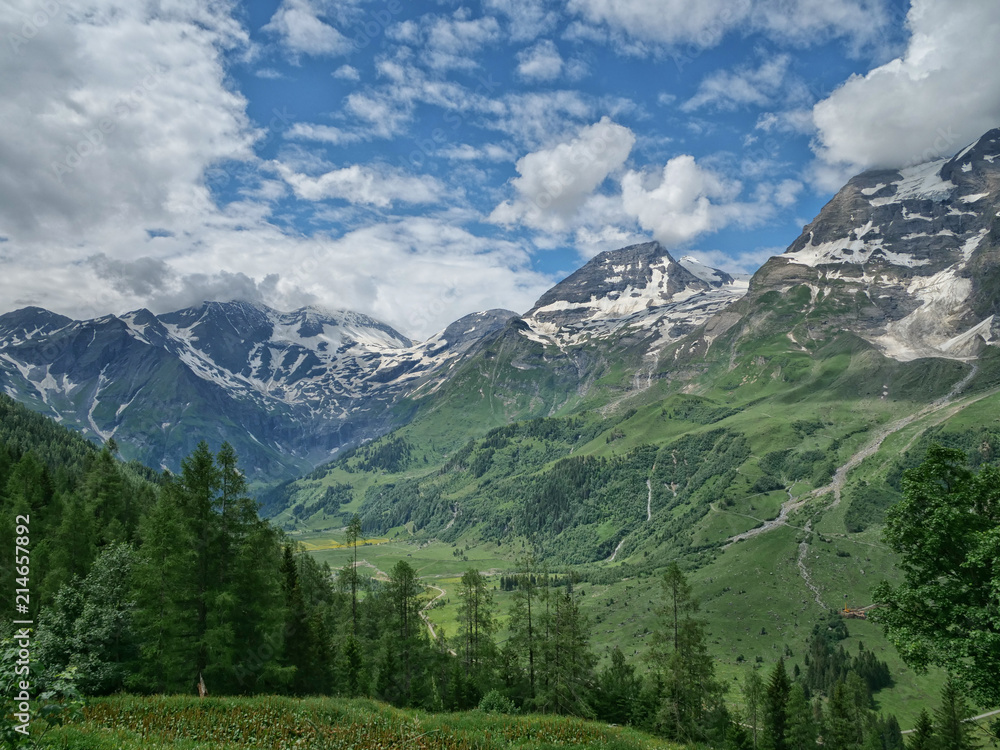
(907, 253)
(639, 287)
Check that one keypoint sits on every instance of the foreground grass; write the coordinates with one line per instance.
(131, 723)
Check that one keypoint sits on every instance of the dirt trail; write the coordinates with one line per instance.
(836, 484)
(804, 571)
(971, 718)
(423, 610)
(649, 500)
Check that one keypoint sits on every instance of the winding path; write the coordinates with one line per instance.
(649, 500)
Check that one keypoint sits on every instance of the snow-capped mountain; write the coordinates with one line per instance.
(288, 388)
(906, 259)
(639, 289)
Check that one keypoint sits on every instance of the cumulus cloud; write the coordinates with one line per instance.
(677, 204)
(727, 90)
(117, 116)
(301, 28)
(305, 131)
(448, 42)
(527, 19)
(380, 187)
(704, 23)
(541, 62)
(929, 102)
(347, 73)
(554, 183)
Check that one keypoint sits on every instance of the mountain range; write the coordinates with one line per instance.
(903, 261)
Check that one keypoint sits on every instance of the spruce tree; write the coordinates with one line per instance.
(923, 737)
(953, 731)
(800, 729)
(776, 696)
(166, 618)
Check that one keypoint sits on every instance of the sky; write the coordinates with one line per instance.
(418, 160)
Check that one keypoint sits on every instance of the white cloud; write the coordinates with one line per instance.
(384, 115)
(300, 26)
(636, 24)
(268, 74)
(555, 183)
(448, 43)
(699, 22)
(943, 92)
(133, 98)
(541, 62)
(488, 152)
(725, 90)
(347, 73)
(742, 262)
(111, 113)
(305, 131)
(380, 187)
(527, 19)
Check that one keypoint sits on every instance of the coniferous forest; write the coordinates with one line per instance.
(147, 583)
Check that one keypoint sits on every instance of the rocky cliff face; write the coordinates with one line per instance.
(907, 259)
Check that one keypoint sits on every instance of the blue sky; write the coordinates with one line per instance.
(421, 160)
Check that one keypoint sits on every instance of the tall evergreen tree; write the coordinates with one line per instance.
(953, 731)
(776, 697)
(568, 663)
(923, 737)
(618, 690)
(166, 618)
(800, 729)
(692, 695)
(524, 619)
(477, 625)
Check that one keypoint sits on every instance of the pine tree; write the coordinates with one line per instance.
(568, 663)
(353, 534)
(692, 695)
(776, 707)
(166, 618)
(923, 737)
(298, 651)
(524, 622)
(618, 690)
(800, 730)
(953, 731)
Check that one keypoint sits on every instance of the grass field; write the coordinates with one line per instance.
(182, 723)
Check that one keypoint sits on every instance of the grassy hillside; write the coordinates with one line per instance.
(767, 474)
(127, 723)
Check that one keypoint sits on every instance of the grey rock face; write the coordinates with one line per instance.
(907, 259)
